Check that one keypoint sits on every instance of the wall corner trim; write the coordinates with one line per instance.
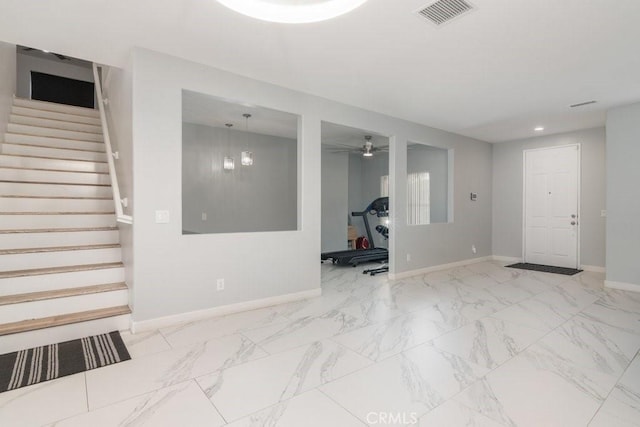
(173, 320)
(622, 286)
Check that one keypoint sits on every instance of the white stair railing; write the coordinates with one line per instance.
(119, 203)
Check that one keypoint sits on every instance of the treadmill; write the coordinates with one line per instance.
(380, 208)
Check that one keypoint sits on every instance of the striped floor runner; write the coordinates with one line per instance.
(27, 367)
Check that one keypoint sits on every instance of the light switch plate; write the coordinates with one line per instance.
(162, 217)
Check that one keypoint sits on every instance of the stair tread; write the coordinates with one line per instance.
(61, 293)
(54, 270)
(49, 158)
(93, 111)
(57, 230)
(18, 196)
(64, 319)
(50, 170)
(84, 150)
(51, 120)
(18, 181)
(40, 126)
(67, 119)
(58, 249)
(58, 213)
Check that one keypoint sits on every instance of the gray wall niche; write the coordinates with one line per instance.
(349, 183)
(425, 158)
(261, 197)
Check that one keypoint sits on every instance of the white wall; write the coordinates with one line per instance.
(119, 91)
(507, 193)
(7, 84)
(335, 180)
(177, 274)
(261, 197)
(623, 201)
(28, 63)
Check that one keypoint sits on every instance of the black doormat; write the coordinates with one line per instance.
(39, 364)
(545, 268)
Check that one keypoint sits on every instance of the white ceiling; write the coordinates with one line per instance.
(493, 74)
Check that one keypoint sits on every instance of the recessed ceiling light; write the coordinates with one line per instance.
(538, 129)
(292, 11)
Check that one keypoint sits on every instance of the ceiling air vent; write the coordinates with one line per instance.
(444, 11)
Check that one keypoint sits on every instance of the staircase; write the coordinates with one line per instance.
(61, 271)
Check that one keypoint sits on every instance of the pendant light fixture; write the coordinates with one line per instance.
(247, 156)
(228, 164)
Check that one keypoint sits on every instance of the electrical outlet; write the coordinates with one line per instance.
(473, 249)
(408, 257)
(162, 217)
(204, 216)
(220, 284)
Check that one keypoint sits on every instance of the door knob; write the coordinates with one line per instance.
(573, 223)
(573, 215)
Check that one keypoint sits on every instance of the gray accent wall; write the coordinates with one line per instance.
(7, 84)
(261, 197)
(623, 196)
(176, 273)
(335, 200)
(508, 187)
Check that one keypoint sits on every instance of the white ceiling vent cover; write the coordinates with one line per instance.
(444, 11)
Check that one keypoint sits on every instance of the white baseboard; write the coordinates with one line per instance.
(621, 286)
(426, 270)
(509, 259)
(593, 268)
(161, 322)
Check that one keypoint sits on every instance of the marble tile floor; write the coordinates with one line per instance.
(479, 345)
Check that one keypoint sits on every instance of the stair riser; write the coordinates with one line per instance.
(30, 112)
(58, 259)
(43, 141)
(45, 308)
(23, 222)
(54, 133)
(54, 205)
(55, 124)
(54, 176)
(56, 153)
(53, 190)
(51, 239)
(63, 165)
(48, 282)
(60, 108)
(15, 342)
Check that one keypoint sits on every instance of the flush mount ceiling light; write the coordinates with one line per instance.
(538, 129)
(292, 11)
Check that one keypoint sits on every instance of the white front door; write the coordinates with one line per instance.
(551, 206)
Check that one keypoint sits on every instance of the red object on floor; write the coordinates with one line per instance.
(362, 243)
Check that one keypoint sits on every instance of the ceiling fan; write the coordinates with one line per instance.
(57, 55)
(367, 150)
